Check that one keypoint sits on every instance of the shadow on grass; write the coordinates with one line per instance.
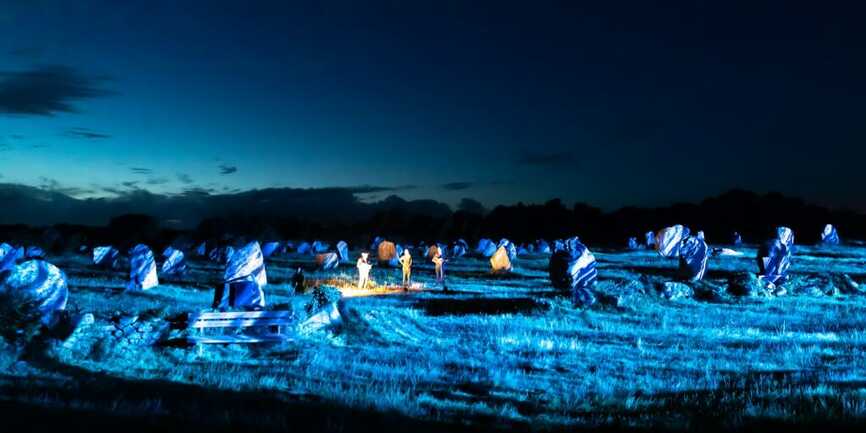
(463, 306)
(95, 402)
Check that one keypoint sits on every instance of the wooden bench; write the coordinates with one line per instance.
(272, 320)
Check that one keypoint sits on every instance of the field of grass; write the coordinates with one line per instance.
(494, 352)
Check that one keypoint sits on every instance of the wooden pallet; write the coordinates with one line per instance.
(275, 321)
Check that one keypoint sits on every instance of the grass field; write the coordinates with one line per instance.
(495, 352)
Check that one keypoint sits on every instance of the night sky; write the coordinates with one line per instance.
(616, 104)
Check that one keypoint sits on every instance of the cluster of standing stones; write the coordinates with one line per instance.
(572, 266)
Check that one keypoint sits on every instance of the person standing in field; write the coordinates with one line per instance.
(363, 270)
(439, 266)
(406, 263)
(298, 281)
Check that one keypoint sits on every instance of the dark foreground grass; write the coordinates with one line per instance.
(495, 353)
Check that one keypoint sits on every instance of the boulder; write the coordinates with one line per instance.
(37, 289)
(674, 291)
(668, 240)
(327, 317)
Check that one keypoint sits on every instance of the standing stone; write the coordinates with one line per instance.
(142, 268)
(175, 262)
(105, 257)
(668, 240)
(270, 248)
(328, 261)
(829, 236)
(574, 268)
(693, 257)
(774, 257)
(244, 279)
(343, 251)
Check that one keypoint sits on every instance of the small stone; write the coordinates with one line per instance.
(674, 291)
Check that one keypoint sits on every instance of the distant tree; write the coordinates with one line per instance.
(130, 229)
(469, 205)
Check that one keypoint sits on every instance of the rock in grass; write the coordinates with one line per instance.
(847, 285)
(749, 285)
(706, 291)
(673, 291)
(322, 296)
(327, 317)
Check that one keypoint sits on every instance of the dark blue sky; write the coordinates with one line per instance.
(615, 104)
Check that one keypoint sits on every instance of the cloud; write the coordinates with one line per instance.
(184, 178)
(545, 159)
(227, 169)
(130, 184)
(85, 133)
(53, 185)
(140, 170)
(370, 189)
(457, 186)
(157, 181)
(46, 90)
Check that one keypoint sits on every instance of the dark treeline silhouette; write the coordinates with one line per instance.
(754, 216)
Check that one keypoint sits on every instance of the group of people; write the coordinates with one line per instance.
(364, 267)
